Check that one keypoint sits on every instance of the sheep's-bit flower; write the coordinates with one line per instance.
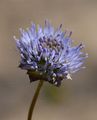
(48, 54)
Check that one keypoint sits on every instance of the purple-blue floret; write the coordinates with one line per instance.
(48, 54)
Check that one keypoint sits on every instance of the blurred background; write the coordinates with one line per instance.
(74, 100)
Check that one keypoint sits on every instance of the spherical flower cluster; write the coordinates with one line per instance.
(48, 54)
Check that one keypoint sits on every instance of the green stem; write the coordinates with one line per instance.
(31, 109)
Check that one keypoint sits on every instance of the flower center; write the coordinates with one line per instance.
(51, 44)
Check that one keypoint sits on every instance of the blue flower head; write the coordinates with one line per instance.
(48, 54)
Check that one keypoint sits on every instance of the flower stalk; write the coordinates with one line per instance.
(32, 106)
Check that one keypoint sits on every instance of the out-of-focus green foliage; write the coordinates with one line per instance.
(55, 94)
